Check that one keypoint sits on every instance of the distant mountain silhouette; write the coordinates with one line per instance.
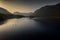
(48, 14)
(4, 11)
(4, 15)
(24, 14)
(48, 11)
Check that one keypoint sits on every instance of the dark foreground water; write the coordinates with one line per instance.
(28, 29)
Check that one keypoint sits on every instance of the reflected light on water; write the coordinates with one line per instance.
(17, 23)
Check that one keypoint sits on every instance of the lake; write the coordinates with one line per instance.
(26, 27)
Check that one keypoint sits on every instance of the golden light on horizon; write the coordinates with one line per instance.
(13, 9)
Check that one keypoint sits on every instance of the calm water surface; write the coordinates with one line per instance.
(24, 24)
(21, 24)
(27, 25)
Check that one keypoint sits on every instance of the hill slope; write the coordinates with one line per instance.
(48, 11)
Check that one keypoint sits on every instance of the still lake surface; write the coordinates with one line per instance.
(21, 24)
(27, 25)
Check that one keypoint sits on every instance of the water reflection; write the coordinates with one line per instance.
(16, 28)
(14, 24)
(25, 24)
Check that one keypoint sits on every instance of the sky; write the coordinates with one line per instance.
(25, 6)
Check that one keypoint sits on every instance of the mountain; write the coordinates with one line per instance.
(4, 15)
(48, 11)
(24, 14)
(4, 11)
(47, 14)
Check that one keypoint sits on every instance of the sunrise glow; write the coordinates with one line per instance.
(13, 9)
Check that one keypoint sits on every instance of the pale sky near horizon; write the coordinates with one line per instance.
(25, 5)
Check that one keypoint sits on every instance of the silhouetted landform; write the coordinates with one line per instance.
(25, 14)
(4, 11)
(4, 15)
(49, 13)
